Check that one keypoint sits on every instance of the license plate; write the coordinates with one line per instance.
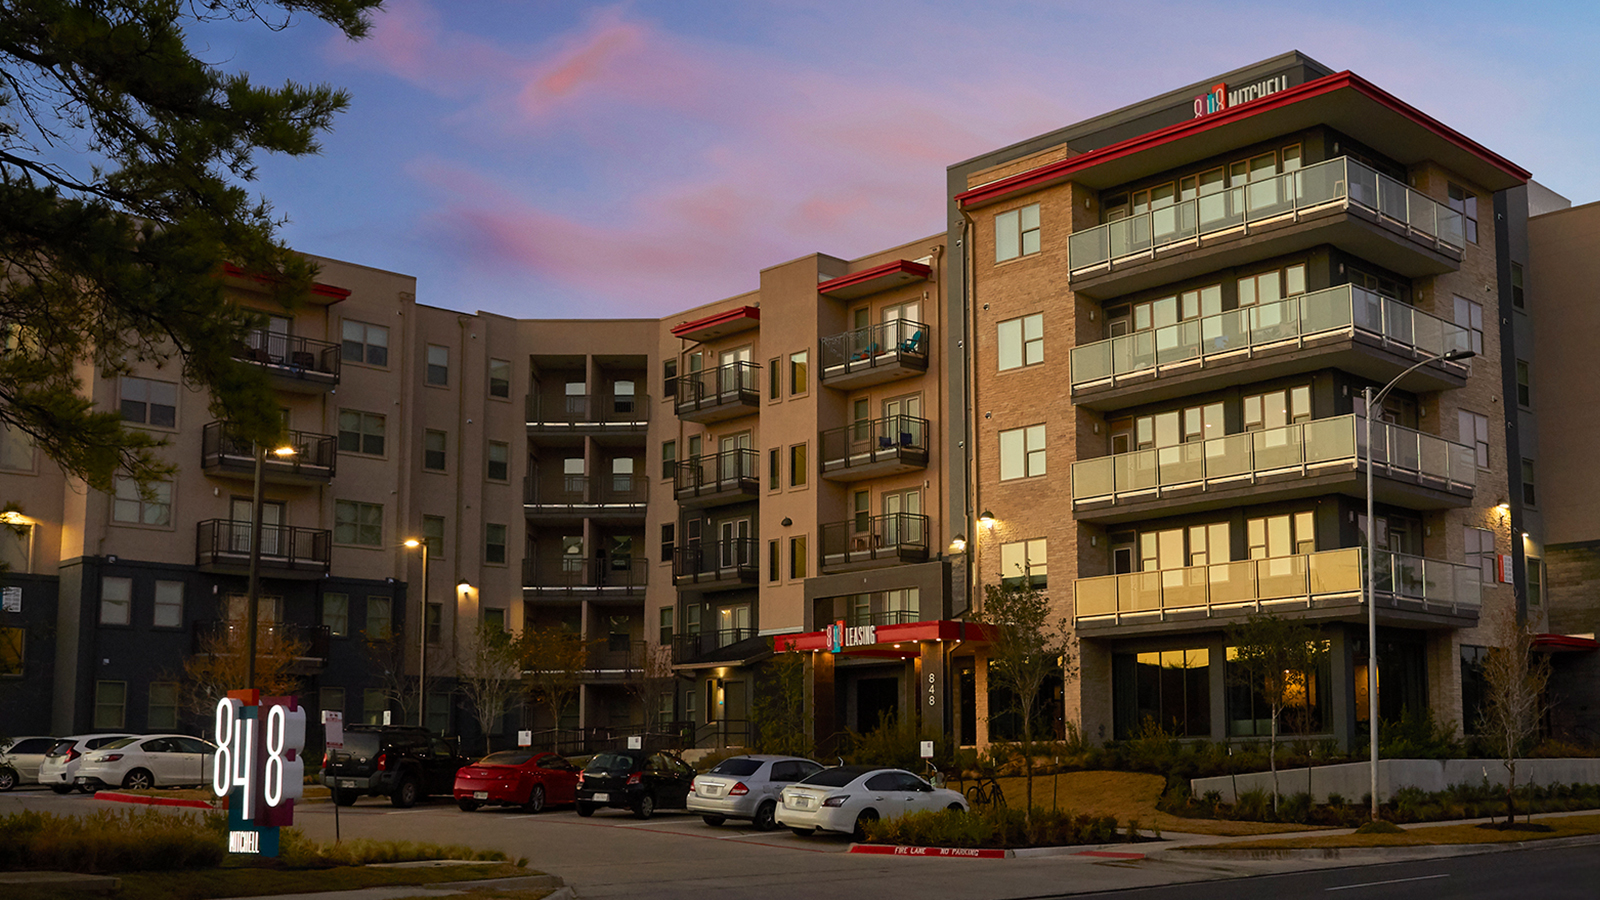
(480, 795)
(602, 798)
(347, 782)
(800, 802)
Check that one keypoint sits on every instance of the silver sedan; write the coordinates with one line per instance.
(746, 787)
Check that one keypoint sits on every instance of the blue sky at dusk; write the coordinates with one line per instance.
(542, 159)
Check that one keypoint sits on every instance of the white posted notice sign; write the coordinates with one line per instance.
(333, 729)
(524, 739)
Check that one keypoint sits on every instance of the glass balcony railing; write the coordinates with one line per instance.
(1341, 180)
(1337, 310)
(1245, 584)
(1308, 447)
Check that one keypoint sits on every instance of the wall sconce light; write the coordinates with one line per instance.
(986, 519)
(463, 586)
(786, 522)
(958, 543)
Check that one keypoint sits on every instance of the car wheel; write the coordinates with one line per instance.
(467, 805)
(956, 807)
(584, 809)
(867, 815)
(344, 798)
(138, 780)
(535, 802)
(61, 788)
(406, 793)
(646, 807)
(713, 821)
(801, 832)
(84, 788)
(8, 779)
(764, 816)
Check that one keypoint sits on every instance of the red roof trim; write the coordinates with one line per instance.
(931, 630)
(318, 288)
(1564, 642)
(894, 267)
(1058, 170)
(721, 318)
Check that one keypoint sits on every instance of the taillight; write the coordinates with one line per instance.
(383, 762)
(580, 778)
(738, 789)
(111, 757)
(636, 778)
(326, 755)
(72, 754)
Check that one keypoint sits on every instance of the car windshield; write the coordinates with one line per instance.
(738, 767)
(611, 764)
(118, 744)
(507, 758)
(832, 777)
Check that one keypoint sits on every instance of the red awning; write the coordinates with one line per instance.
(721, 324)
(884, 637)
(1564, 643)
(894, 274)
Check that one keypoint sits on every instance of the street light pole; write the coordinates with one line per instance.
(422, 640)
(1371, 403)
(253, 591)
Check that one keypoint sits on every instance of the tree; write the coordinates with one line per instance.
(218, 666)
(1028, 643)
(490, 675)
(386, 658)
(653, 662)
(553, 661)
(1514, 703)
(122, 197)
(780, 706)
(1275, 655)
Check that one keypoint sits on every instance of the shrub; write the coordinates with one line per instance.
(296, 849)
(111, 841)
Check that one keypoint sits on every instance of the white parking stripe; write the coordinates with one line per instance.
(1346, 887)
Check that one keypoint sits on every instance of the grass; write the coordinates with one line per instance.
(1123, 796)
(235, 880)
(1426, 835)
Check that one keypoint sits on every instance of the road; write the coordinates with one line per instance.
(676, 857)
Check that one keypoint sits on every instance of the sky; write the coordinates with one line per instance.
(565, 159)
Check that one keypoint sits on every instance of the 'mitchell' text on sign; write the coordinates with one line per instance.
(1220, 98)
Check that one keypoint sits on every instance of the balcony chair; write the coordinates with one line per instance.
(871, 350)
(912, 344)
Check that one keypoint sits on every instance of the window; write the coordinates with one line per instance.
(13, 647)
(169, 605)
(797, 372)
(494, 618)
(664, 626)
(774, 469)
(438, 365)
(1469, 315)
(797, 557)
(668, 542)
(1518, 296)
(163, 709)
(1022, 452)
(1022, 341)
(1475, 431)
(433, 445)
(622, 397)
(1277, 408)
(1023, 563)
(116, 600)
(773, 555)
(331, 699)
(494, 544)
(1465, 202)
(499, 467)
(1170, 687)
(1016, 233)
(16, 449)
(797, 465)
(1527, 484)
(499, 378)
(1524, 391)
(357, 523)
(1480, 552)
(669, 378)
(365, 343)
(110, 704)
(669, 460)
(1286, 535)
(336, 613)
(380, 618)
(572, 557)
(374, 703)
(16, 547)
(149, 402)
(137, 507)
(774, 389)
(360, 432)
(434, 622)
(1535, 581)
(433, 536)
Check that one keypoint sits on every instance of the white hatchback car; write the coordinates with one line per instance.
(60, 765)
(155, 760)
(843, 798)
(746, 787)
(20, 759)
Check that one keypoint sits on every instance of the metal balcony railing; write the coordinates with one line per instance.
(893, 536)
(874, 440)
(898, 342)
(314, 458)
(884, 617)
(224, 542)
(1338, 310)
(1310, 448)
(734, 383)
(291, 356)
(1341, 180)
(613, 575)
(687, 648)
(578, 411)
(228, 636)
(734, 559)
(729, 470)
(580, 492)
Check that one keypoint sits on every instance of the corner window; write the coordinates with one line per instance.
(357, 523)
(1016, 233)
(438, 365)
(1021, 342)
(1465, 202)
(1023, 563)
(433, 447)
(361, 432)
(494, 544)
(116, 600)
(364, 343)
(499, 465)
(1022, 452)
(499, 378)
(132, 506)
(149, 402)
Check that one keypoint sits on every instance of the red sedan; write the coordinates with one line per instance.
(524, 778)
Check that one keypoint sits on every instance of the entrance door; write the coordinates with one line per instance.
(877, 701)
(271, 518)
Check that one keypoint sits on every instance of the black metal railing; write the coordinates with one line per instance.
(614, 574)
(224, 542)
(729, 470)
(898, 536)
(898, 342)
(885, 617)
(725, 733)
(898, 437)
(226, 637)
(734, 559)
(709, 388)
(577, 411)
(606, 662)
(315, 454)
(580, 491)
(687, 648)
(292, 356)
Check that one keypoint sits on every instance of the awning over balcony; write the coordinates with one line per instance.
(722, 324)
(887, 276)
(868, 640)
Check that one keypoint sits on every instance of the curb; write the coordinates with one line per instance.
(930, 852)
(121, 797)
(1413, 851)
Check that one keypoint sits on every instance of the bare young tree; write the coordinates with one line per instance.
(553, 662)
(1514, 703)
(386, 659)
(490, 675)
(653, 663)
(1275, 655)
(1028, 643)
(220, 664)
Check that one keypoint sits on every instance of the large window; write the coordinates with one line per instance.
(498, 467)
(438, 365)
(149, 402)
(1016, 233)
(1469, 315)
(1169, 690)
(1276, 409)
(1023, 563)
(116, 600)
(163, 709)
(331, 699)
(365, 343)
(494, 544)
(1480, 552)
(133, 506)
(1022, 452)
(169, 605)
(1304, 706)
(374, 703)
(357, 523)
(1021, 341)
(1475, 432)
(499, 378)
(336, 613)
(433, 450)
(360, 432)
(1465, 202)
(1285, 535)
(380, 618)
(110, 705)
(1270, 287)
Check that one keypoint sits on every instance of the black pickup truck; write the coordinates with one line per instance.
(404, 763)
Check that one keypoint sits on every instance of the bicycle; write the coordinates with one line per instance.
(986, 792)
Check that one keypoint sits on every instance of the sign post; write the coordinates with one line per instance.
(333, 739)
(258, 767)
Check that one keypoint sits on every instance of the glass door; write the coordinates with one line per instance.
(898, 527)
(902, 421)
(734, 378)
(271, 518)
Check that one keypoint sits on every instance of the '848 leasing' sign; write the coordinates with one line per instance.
(258, 767)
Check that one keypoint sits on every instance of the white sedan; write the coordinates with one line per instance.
(156, 760)
(843, 798)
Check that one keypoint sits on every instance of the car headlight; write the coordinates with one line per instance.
(836, 800)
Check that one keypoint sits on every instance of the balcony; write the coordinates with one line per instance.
(296, 364)
(876, 354)
(873, 448)
(868, 542)
(580, 414)
(712, 395)
(1343, 327)
(613, 665)
(569, 497)
(226, 638)
(585, 579)
(716, 565)
(1411, 469)
(731, 476)
(1326, 585)
(713, 646)
(222, 547)
(1340, 202)
(225, 455)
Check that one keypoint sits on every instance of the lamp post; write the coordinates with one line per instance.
(422, 640)
(1371, 402)
(253, 592)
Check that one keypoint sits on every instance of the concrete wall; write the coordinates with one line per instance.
(1353, 780)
